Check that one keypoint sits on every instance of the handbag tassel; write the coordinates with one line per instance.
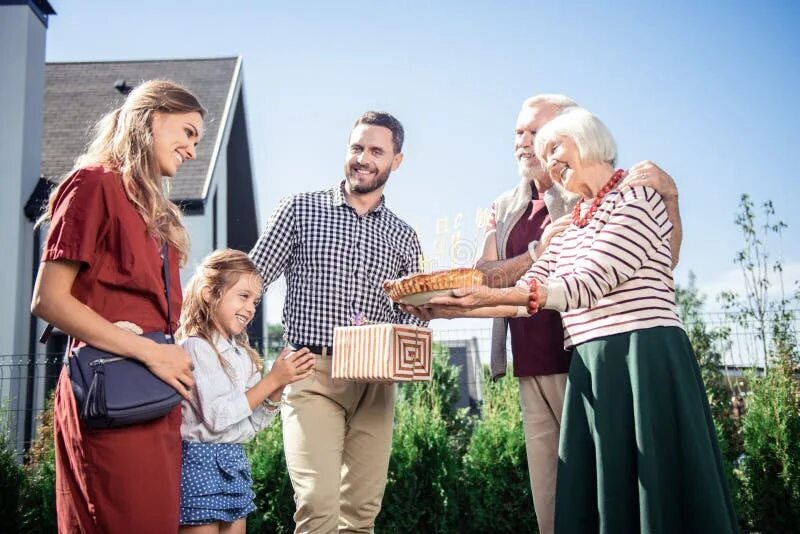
(96, 397)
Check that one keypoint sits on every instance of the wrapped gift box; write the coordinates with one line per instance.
(382, 353)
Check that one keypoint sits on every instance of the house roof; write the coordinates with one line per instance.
(78, 94)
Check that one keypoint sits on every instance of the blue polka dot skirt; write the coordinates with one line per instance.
(215, 483)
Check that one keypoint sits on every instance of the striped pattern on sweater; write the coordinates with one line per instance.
(614, 275)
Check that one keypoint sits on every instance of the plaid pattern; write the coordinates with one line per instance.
(335, 263)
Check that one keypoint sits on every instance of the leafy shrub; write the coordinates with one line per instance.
(441, 394)
(274, 494)
(771, 465)
(37, 511)
(423, 471)
(10, 481)
(429, 436)
(496, 492)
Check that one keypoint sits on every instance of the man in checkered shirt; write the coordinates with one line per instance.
(336, 247)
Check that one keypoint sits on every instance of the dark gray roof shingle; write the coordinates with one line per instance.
(78, 94)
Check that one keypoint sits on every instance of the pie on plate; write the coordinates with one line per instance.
(418, 289)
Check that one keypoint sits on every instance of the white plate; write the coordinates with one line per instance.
(418, 299)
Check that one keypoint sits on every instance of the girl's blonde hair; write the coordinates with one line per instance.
(123, 140)
(218, 272)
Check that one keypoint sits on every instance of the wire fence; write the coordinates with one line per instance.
(26, 381)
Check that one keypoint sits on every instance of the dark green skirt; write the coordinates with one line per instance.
(638, 450)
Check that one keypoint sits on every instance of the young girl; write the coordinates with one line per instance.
(231, 400)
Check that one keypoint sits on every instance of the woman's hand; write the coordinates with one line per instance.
(53, 301)
(172, 364)
(291, 366)
(468, 297)
(428, 312)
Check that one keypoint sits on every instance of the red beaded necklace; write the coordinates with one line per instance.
(579, 221)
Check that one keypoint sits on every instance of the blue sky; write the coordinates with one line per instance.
(705, 89)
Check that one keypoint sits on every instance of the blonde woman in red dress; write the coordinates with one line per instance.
(101, 265)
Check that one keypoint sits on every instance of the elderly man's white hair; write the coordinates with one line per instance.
(552, 99)
(592, 138)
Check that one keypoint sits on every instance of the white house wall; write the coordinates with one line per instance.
(22, 41)
(200, 227)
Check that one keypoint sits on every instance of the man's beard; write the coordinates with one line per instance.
(529, 170)
(363, 189)
(535, 175)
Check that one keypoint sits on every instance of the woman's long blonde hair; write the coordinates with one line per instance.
(123, 140)
(218, 272)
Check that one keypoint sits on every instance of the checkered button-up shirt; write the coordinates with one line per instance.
(335, 263)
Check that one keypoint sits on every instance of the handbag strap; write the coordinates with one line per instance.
(165, 276)
(48, 330)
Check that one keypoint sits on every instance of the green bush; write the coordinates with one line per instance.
(429, 436)
(274, 494)
(37, 512)
(11, 479)
(496, 492)
(423, 472)
(453, 473)
(441, 394)
(771, 466)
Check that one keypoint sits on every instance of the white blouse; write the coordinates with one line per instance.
(219, 411)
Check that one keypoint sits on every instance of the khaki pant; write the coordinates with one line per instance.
(542, 399)
(337, 436)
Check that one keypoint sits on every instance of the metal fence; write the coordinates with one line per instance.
(26, 381)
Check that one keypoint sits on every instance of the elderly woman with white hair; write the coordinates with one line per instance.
(638, 449)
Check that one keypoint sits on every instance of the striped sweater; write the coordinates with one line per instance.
(613, 275)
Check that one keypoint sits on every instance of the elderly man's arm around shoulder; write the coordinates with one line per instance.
(647, 173)
(497, 272)
(505, 273)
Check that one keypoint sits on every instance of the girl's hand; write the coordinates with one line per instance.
(291, 366)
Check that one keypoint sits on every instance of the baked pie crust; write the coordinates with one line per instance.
(433, 281)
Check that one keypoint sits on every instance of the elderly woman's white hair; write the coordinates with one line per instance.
(592, 138)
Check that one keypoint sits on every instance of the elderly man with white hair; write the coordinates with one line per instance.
(522, 222)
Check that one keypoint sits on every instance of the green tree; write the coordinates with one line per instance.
(756, 308)
(771, 424)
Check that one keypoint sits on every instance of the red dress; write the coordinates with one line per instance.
(125, 479)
